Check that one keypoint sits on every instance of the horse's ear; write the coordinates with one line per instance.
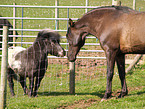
(71, 23)
(78, 19)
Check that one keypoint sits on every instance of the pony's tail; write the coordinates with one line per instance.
(16, 77)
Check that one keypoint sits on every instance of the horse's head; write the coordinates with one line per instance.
(76, 38)
(51, 40)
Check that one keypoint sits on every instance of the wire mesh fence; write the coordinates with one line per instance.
(91, 63)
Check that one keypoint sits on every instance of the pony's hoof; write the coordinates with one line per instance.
(24, 93)
(13, 94)
(35, 95)
(30, 94)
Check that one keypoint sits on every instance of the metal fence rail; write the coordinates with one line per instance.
(58, 30)
(28, 6)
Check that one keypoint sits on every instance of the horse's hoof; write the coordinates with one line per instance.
(122, 94)
(103, 99)
(107, 95)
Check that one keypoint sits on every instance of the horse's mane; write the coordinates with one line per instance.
(124, 9)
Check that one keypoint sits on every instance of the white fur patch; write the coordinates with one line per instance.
(12, 52)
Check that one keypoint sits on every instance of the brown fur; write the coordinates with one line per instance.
(120, 31)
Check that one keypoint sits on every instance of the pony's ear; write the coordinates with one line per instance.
(39, 34)
(71, 23)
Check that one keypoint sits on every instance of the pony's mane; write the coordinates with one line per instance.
(51, 33)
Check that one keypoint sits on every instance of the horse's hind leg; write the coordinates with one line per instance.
(120, 59)
(23, 84)
(10, 80)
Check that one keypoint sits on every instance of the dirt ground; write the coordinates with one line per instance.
(82, 104)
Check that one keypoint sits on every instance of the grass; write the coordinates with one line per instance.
(90, 79)
(54, 92)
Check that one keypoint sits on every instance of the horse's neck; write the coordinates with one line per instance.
(95, 22)
(95, 31)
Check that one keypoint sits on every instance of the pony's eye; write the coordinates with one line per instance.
(54, 41)
(52, 44)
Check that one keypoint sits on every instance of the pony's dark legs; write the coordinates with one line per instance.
(37, 83)
(110, 71)
(31, 85)
(10, 80)
(23, 84)
(120, 59)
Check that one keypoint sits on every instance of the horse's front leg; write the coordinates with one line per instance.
(110, 55)
(37, 83)
(120, 59)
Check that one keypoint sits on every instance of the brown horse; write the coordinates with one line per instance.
(120, 31)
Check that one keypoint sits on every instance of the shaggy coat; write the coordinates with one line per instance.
(32, 62)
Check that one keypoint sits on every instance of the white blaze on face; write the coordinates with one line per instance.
(12, 52)
(60, 51)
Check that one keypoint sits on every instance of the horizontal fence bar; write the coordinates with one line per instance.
(33, 30)
(28, 18)
(60, 43)
(92, 51)
(29, 36)
(84, 50)
(27, 6)
(77, 57)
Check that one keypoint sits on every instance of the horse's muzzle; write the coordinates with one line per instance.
(71, 58)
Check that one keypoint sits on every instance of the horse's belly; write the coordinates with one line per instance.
(135, 47)
(133, 50)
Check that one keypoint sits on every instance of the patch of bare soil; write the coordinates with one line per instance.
(82, 104)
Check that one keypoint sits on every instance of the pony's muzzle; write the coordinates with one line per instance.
(61, 53)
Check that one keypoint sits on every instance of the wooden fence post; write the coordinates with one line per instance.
(135, 61)
(72, 78)
(14, 24)
(116, 2)
(134, 4)
(4, 64)
(56, 15)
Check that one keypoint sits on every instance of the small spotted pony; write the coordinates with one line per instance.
(32, 62)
